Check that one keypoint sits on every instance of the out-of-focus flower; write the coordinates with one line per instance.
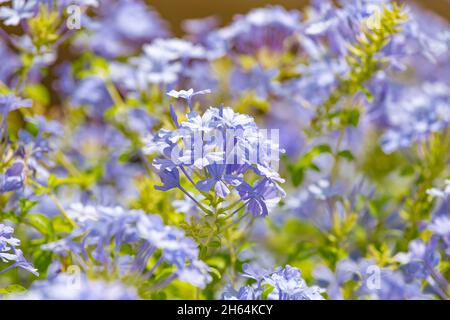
(261, 28)
(187, 95)
(421, 258)
(68, 286)
(191, 147)
(102, 226)
(373, 282)
(11, 102)
(20, 9)
(166, 62)
(14, 177)
(9, 253)
(122, 27)
(427, 109)
(286, 283)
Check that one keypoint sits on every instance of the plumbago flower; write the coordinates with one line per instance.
(167, 63)
(65, 286)
(421, 262)
(261, 28)
(9, 103)
(372, 282)
(440, 222)
(7, 70)
(220, 153)
(9, 253)
(281, 284)
(104, 233)
(19, 10)
(428, 109)
(121, 28)
(13, 177)
(24, 9)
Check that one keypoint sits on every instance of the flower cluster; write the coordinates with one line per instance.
(260, 28)
(66, 286)
(115, 34)
(99, 228)
(219, 149)
(9, 251)
(373, 282)
(137, 162)
(283, 283)
(165, 62)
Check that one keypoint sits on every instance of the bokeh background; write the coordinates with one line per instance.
(175, 11)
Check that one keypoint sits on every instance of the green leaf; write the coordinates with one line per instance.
(38, 93)
(217, 262)
(215, 244)
(14, 288)
(61, 225)
(215, 272)
(346, 154)
(41, 223)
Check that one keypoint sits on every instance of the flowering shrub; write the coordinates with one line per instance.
(288, 155)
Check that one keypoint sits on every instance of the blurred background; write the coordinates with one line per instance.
(176, 11)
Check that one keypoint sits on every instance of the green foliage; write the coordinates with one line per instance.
(44, 27)
(306, 162)
(363, 62)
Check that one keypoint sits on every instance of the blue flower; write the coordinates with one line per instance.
(14, 177)
(373, 282)
(10, 253)
(259, 197)
(421, 259)
(284, 283)
(168, 63)
(7, 69)
(261, 28)
(91, 92)
(10, 103)
(415, 113)
(217, 180)
(187, 95)
(122, 28)
(77, 286)
(21, 9)
(257, 80)
(170, 177)
(333, 281)
(103, 231)
(440, 226)
(220, 147)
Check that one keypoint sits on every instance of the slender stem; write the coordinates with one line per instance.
(61, 208)
(187, 176)
(231, 206)
(152, 270)
(115, 95)
(8, 268)
(67, 164)
(193, 199)
(57, 203)
(335, 169)
(242, 217)
(166, 281)
(240, 208)
(232, 256)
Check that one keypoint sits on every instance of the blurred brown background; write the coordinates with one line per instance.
(176, 11)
